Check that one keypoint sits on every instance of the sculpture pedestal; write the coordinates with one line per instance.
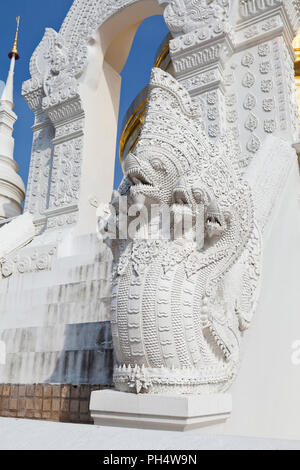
(162, 412)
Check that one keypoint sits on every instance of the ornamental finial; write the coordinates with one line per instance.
(14, 51)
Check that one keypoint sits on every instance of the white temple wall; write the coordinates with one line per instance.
(266, 393)
(54, 322)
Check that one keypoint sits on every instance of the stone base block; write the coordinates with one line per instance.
(161, 412)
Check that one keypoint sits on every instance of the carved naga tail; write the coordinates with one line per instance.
(175, 328)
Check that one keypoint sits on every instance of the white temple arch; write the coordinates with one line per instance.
(100, 86)
(75, 87)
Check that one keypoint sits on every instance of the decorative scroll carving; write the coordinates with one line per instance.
(183, 16)
(171, 324)
(66, 171)
(250, 8)
(34, 261)
(54, 180)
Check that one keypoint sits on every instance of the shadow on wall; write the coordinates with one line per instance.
(85, 364)
(87, 356)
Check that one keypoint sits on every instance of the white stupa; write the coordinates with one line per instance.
(12, 190)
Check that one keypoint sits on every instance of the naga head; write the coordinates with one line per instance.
(159, 159)
(192, 195)
(175, 164)
(152, 175)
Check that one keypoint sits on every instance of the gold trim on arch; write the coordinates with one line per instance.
(162, 56)
(132, 123)
(138, 115)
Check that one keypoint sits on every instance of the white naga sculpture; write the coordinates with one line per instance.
(179, 305)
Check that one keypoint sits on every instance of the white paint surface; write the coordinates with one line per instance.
(18, 434)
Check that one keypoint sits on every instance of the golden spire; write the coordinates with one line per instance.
(14, 51)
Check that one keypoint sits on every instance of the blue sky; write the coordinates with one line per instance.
(136, 73)
(36, 15)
